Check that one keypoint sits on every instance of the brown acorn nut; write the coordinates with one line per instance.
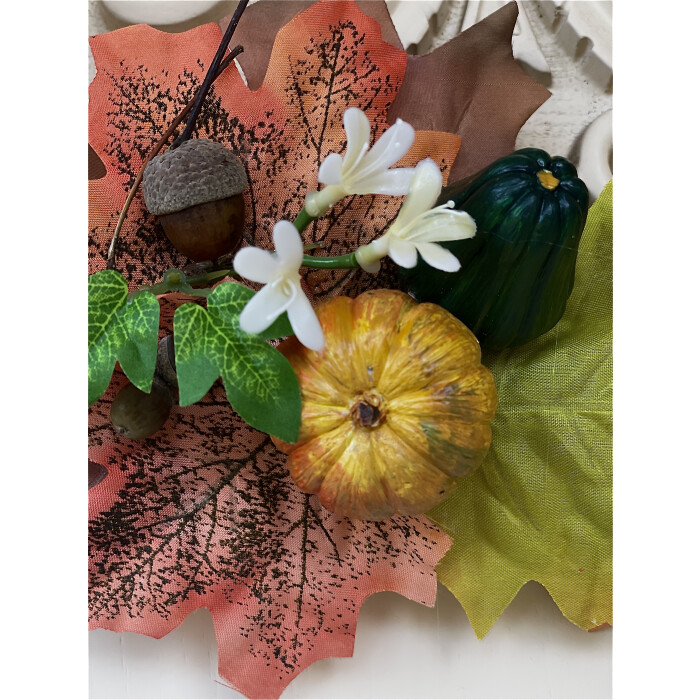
(138, 415)
(196, 191)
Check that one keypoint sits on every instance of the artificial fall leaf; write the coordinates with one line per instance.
(262, 20)
(96, 474)
(484, 96)
(325, 60)
(540, 507)
(96, 168)
(204, 514)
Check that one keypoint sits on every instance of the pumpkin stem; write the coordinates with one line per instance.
(366, 414)
(368, 411)
(547, 180)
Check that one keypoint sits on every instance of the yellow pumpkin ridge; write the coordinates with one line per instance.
(395, 410)
(372, 341)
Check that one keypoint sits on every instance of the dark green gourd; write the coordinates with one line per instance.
(518, 271)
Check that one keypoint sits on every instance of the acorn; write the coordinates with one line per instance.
(196, 192)
(165, 361)
(136, 414)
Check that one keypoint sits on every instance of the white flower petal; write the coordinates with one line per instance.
(256, 264)
(305, 323)
(443, 225)
(358, 133)
(424, 191)
(266, 305)
(331, 170)
(391, 146)
(394, 182)
(402, 252)
(288, 245)
(437, 256)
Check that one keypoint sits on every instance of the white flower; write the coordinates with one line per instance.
(279, 271)
(363, 171)
(419, 228)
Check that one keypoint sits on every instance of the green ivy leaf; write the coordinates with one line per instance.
(259, 381)
(120, 329)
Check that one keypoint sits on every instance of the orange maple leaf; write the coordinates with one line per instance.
(204, 514)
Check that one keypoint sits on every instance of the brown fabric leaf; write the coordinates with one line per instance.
(261, 21)
(204, 513)
(96, 473)
(484, 97)
(96, 168)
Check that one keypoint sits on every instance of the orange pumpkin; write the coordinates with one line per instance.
(395, 409)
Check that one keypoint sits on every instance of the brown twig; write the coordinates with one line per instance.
(211, 74)
(225, 62)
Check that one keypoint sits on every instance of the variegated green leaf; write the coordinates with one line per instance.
(259, 381)
(120, 329)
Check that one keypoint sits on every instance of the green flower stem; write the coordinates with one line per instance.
(207, 278)
(177, 281)
(303, 220)
(334, 263)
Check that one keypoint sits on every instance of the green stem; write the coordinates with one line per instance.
(334, 263)
(206, 278)
(177, 281)
(303, 220)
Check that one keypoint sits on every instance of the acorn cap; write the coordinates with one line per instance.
(199, 171)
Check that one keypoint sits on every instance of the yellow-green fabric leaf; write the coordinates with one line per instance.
(540, 507)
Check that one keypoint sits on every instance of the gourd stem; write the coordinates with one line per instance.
(547, 179)
(333, 263)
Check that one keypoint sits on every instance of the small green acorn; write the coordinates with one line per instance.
(136, 414)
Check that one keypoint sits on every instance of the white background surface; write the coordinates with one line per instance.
(404, 650)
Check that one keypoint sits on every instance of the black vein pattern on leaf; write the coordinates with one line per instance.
(185, 525)
(337, 63)
(141, 109)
